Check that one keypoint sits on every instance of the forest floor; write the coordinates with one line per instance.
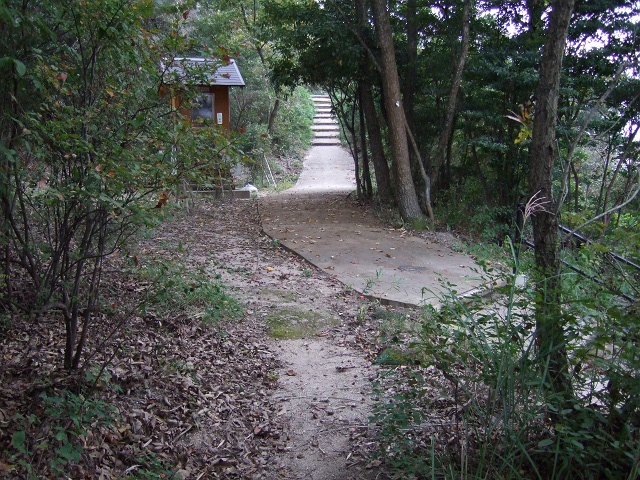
(315, 340)
(280, 391)
(219, 354)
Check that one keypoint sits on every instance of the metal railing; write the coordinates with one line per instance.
(582, 239)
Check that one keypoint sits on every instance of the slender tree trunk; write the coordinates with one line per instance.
(343, 102)
(549, 324)
(576, 187)
(380, 166)
(616, 171)
(483, 179)
(356, 162)
(405, 190)
(272, 116)
(366, 174)
(250, 20)
(411, 75)
(605, 174)
(356, 147)
(447, 130)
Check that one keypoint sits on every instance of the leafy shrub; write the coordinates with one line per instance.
(465, 208)
(93, 150)
(60, 423)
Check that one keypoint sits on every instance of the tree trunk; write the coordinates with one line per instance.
(577, 187)
(249, 19)
(410, 76)
(447, 129)
(405, 190)
(380, 166)
(366, 174)
(272, 116)
(616, 171)
(549, 325)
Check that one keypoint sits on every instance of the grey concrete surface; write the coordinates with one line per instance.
(318, 221)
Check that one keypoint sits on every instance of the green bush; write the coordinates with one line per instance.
(61, 422)
(465, 208)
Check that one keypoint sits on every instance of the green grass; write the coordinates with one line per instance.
(176, 290)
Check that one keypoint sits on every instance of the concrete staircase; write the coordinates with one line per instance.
(325, 126)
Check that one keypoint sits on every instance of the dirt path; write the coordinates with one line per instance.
(316, 419)
(325, 393)
(325, 382)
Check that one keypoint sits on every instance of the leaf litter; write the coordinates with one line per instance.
(197, 400)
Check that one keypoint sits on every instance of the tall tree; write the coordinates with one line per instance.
(365, 90)
(543, 155)
(396, 121)
(447, 128)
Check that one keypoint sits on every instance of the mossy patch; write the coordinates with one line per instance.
(280, 295)
(289, 323)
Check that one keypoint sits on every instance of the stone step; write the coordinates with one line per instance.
(326, 142)
(325, 121)
(326, 134)
(327, 127)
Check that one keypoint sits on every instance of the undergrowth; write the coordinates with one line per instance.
(473, 400)
(50, 440)
(174, 289)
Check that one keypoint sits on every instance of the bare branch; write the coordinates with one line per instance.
(629, 199)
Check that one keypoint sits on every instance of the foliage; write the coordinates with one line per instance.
(274, 121)
(92, 150)
(291, 135)
(503, 422)
(60, 422)
(324, 44)
(175, 290)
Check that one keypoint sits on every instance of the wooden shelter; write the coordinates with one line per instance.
(213, 79)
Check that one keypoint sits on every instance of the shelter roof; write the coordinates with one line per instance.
(207, 71)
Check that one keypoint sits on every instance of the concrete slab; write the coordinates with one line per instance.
(318, 221)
